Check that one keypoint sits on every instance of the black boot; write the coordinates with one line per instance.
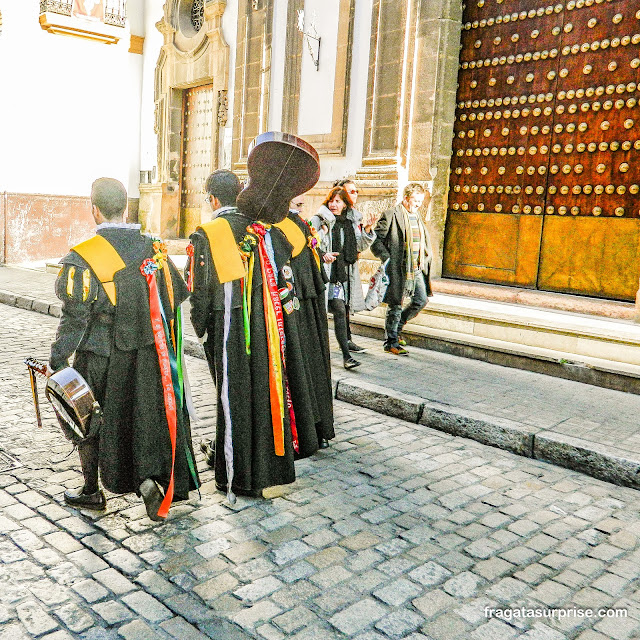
(153, 497)
(209, 450)
(81, 500)
(90, 496)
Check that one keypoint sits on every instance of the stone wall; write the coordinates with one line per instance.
(40, 227)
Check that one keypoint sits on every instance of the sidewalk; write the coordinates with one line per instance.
(574, 425)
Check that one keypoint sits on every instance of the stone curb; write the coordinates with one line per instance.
(491, 430)
(30, 304)
(593, 459)
(380, 399)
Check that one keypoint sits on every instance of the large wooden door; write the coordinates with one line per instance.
(546, 157)
(197, 141)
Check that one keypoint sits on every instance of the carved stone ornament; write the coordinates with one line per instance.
(223, 107)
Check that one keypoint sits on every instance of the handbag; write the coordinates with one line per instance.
(377, 287)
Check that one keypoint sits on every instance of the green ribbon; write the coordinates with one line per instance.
(245, 316)
(177, 378)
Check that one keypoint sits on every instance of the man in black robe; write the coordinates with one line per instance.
(236, 347)
(311, 328)
(106, 321)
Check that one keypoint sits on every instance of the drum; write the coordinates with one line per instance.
(73, 401)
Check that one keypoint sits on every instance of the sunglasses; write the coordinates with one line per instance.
(352, 191)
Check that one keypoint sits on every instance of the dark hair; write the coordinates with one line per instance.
(225, 186)
(110, 196)
(338, 191)
(343, 181)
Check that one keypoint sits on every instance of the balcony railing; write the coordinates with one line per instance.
(57, 16)
(55, 6)
(115, 11)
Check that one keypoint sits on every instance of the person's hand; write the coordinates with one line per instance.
(369, 221)
(330, 257)
(49, 372)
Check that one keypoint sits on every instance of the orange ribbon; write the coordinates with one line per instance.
(167, 383)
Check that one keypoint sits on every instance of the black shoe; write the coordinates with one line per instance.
(94, 501)
(208, 448)
(152, 496)
(248, 493)
(324, 443)
(351, 363)
(354, 347)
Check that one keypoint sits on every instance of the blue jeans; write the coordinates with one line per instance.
(397, 317)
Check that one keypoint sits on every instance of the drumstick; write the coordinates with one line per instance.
(34, 367)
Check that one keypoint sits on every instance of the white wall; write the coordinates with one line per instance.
(69, 110)
(153, 42)
(278, 53)
(230, 32)
(333, 168)
(317, 86)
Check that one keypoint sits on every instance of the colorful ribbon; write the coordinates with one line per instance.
(274, 320)
(148, 269)
(169, 348)
(191, 255)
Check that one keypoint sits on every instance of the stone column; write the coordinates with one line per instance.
(433, 108)
(389, 85)
(219, 72)
(150, 209)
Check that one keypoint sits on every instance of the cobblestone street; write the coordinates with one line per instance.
(397, 531)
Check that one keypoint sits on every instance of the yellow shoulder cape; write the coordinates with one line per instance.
(104, 261)
(224, 250)
(294, 235)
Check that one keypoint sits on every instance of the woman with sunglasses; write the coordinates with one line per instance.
(343, 235)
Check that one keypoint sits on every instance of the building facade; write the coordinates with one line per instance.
(364, 81)
(520, 117)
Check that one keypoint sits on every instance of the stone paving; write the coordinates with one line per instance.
(397, 531)
(536, 403)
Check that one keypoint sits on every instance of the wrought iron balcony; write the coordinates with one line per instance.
(55, 6)
(115, 11)
(105, 21)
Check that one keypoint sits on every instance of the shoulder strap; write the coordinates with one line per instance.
(224, 250)
(294, 235)
(104, 261)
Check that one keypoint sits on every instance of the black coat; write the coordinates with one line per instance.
(256, 466)
(390, 244)
(313, 335)
(116, 354)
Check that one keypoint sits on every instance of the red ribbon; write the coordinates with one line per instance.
(191, 253)
(167, 383)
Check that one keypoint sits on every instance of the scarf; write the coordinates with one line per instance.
(343, 241)
(415, 249)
